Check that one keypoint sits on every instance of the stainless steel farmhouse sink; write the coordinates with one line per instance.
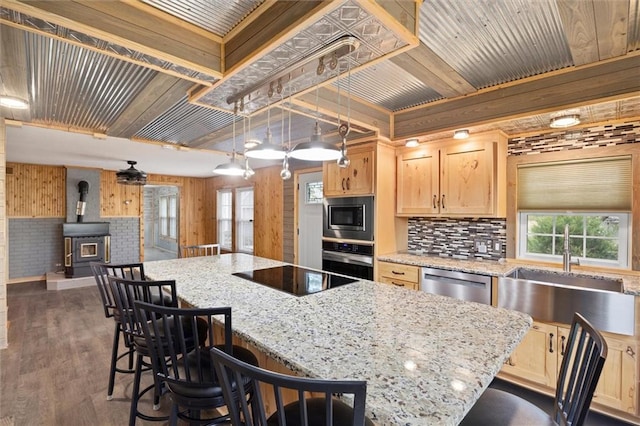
(555, 296)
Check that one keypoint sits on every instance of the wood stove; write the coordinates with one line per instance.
(85, 242)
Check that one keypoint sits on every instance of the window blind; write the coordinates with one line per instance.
(603, 184)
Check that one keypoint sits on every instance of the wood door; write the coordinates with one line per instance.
(617, 384)
(536, 358)
(417, 182)
(467, 178)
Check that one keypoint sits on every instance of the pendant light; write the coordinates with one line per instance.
(248, 171)
(267, 150)
(316, 149)
(285, 173)
(343, 128)
(231, 168)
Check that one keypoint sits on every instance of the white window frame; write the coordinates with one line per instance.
(168, 216)
(244, 221)
(224, 223)
(624, 239)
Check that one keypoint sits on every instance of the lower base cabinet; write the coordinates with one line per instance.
(536, 363)
(407, 276)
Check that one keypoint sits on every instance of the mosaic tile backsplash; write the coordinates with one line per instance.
(471, 239)
(604, 135)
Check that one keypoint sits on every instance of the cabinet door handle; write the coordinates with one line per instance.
(348, 183)
(443, 202)
(630, 351)
(343, 188)
(397, 284)
(562, 345)
(551, 342)
(435, 200)
(397, 273)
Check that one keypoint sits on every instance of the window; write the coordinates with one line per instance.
(168, 215)
(225, 219)
(598, 239)
(313, 193)
(244, 220)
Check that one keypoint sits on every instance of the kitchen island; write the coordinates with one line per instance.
(426, 358)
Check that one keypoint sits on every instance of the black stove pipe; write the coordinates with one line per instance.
(83, 187)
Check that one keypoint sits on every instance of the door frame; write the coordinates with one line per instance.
(141, 220)
(296, 183)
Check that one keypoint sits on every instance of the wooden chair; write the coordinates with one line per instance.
(186, 369)
(581, 366)
(100, 272)
(126, 293)
(325, 410)
(200, 250)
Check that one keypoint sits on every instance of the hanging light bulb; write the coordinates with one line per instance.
(267, 150)
(248, 171)
(316, 149)
(285, 173)
(231, 168)
(343, 128)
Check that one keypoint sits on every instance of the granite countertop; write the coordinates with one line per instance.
(631, 283)
(426, 360)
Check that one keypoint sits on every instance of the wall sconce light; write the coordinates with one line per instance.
(562, 121)
(411, 143)
(461, 134)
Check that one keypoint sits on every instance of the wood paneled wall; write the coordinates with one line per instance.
(35, 190)
(118, 200)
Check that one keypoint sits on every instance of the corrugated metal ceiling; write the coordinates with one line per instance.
(217, 16)
(73, 86)
(491, 43)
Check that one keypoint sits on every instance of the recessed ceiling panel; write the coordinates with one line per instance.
(493, 42)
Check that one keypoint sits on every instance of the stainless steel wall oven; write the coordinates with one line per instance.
(355, 260)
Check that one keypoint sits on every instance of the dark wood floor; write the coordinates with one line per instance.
(55, 371)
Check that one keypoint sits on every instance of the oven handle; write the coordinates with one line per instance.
(355, 259)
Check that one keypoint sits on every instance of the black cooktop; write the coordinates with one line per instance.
(295, 279)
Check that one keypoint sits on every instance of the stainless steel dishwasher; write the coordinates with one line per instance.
(460, 285)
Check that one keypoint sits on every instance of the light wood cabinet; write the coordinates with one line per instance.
(536, 358)
(453, 178)
(537, 361)
(400, 275)
(617, 384)
(357, 179)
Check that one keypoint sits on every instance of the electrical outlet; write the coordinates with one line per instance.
(481, 246)
(497, 246)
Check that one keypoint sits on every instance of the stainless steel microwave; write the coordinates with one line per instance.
(348, 218)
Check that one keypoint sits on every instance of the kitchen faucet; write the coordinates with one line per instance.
(566, 253)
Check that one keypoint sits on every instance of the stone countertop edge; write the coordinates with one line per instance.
(501, 268)
(425, 362)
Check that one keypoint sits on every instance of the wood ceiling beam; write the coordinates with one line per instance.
(603, 81)
(275, 24)
(128, 25)
(363, 113)
(423, 63)
(13, 72)
(157, 97)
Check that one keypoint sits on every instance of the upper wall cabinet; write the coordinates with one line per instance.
(357, 179)
(454, 178)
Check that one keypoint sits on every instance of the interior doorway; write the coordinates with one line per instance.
(161, 222)
(309, 196)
